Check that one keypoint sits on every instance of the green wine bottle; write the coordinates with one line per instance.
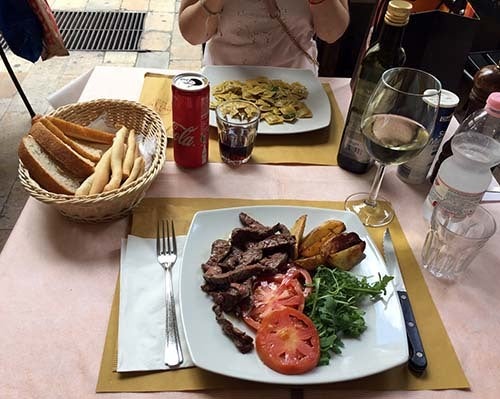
(384, 54)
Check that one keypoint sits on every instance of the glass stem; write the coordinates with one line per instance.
(377, 182)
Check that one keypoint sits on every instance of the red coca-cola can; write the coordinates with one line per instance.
(190, 108)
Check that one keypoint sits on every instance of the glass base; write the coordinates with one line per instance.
(234, 162)
(373, 216)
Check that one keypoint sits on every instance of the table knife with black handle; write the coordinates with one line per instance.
(417, 361)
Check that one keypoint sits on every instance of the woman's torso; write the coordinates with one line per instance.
(247, 35)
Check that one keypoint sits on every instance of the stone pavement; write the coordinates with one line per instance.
(162, 46)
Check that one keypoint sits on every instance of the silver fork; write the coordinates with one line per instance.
(166, 251)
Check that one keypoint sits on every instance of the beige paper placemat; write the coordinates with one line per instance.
(444, 370)
(318, 147)
(157, 94)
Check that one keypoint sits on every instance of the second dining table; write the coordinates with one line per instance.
(57, 277)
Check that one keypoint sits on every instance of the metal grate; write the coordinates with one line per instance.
(99, 30)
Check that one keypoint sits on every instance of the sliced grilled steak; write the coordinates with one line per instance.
(232, 260)
(243, 342)
(211, 270)
(238, 275)
(275, 261)
(276, 243)
(283, 229)
(220, 249)
(207, 288)
(240, 237)
(250, 256)
(231, 298)
(233, 266)
(249, 221)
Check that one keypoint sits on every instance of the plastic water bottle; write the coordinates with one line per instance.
(464, 177)
(485, 120)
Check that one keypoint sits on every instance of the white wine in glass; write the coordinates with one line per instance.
(395, 125)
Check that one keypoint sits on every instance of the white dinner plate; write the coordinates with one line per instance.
(317, 100)
(382, 346)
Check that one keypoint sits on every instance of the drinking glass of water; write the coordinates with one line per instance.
(395, 125)
(237, 123)
(452, 242)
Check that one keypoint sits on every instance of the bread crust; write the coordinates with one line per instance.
(82, 132)
(38, 172)
(92, 155)
(65, 156)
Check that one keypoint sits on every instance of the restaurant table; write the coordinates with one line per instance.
(57, 277)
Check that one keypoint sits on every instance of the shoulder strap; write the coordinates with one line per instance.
(275, 13)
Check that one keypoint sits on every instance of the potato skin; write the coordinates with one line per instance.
(325, 229)
(329, 244)
(347, 258)
(310, 263)
(339, 243)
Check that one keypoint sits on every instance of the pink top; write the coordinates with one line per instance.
(493, 101)
(247, 35)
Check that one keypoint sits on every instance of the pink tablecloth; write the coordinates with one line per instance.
(57, 280)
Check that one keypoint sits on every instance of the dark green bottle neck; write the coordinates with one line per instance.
(391, 37)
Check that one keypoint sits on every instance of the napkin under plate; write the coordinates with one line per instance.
(141, 325)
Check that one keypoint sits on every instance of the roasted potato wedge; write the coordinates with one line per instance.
(315, 247)
(297, 231)
(339, 242)
(310, 263)
(347, 258)
(324, 229)
(343, 250)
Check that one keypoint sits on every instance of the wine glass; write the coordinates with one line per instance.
(396, 125)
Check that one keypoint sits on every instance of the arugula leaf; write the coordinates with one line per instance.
(334, 306)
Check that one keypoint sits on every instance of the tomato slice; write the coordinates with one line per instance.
(288, 342)
(300, 273)
(272, 294)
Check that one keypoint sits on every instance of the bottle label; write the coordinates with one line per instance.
(353, 140)
(458, 203)
(415, 171)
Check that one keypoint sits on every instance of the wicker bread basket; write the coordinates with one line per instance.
(116, 203)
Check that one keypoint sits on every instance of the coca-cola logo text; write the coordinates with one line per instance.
(184, 135)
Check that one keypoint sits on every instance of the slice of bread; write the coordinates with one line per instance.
(94, 150)
(43, 170)
(68, 158)
(83, 149)
(82, 132)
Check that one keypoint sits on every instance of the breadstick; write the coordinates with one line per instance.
(101, 174)
(117, 160)
(84, 188)
(128, 161)
(82, 132)
(136, 171)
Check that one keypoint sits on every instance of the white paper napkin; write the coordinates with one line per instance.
(141, 326)
(70, 93)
